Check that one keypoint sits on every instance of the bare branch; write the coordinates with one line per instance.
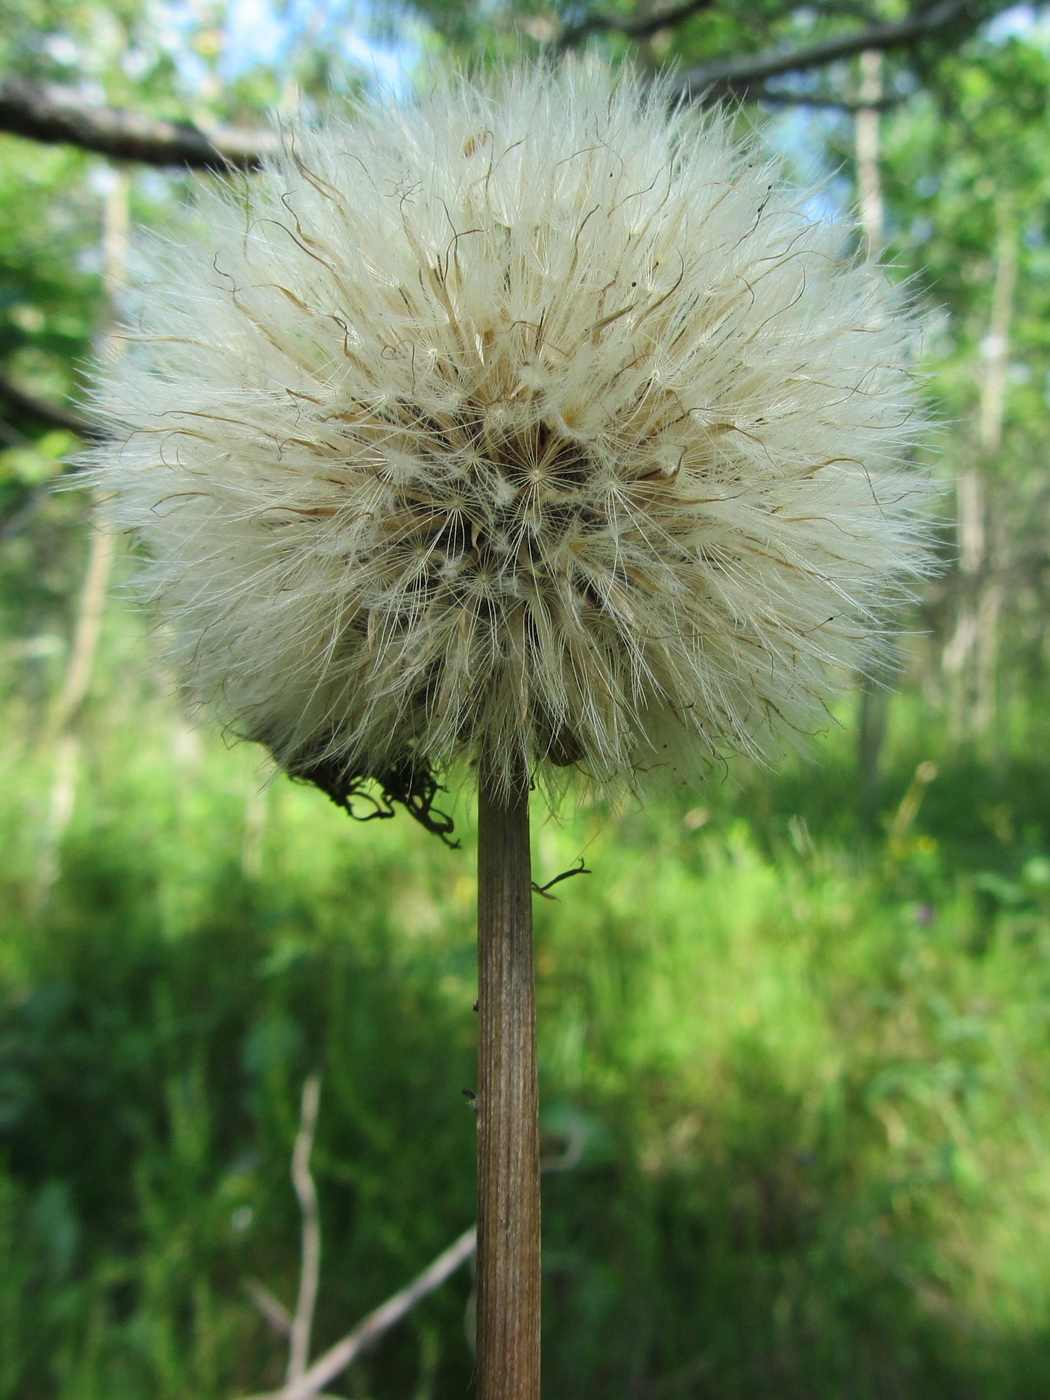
(310, 1269)
(737, 76)
(773, 97)
(274, 1311)
(52, 113)
(640, 27)
(50, 414)
(370, 1328)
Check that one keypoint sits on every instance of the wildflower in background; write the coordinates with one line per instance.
(535, 423)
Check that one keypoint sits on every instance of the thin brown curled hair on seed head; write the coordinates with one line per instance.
(412, 784)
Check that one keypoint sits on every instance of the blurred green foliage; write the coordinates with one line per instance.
(800, 1077)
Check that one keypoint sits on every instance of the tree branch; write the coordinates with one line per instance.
(370, 1328)
(274, 1311)
(50, 414)
(737, 76)
(780, 98)
(52, 113)
(302, 1180)
(632, 28)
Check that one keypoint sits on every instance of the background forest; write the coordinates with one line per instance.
(794, 1028)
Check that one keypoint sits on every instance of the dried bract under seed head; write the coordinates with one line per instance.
(534, 423)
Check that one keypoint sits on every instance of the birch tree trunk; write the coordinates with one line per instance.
(62, 727)
(971, 655)
(872, 710)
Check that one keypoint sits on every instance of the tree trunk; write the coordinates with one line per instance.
(61, 730)
(873, 707)
(971, 655)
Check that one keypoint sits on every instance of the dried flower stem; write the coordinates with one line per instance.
(306, 1191)
(508, 1318)
(370, 1328)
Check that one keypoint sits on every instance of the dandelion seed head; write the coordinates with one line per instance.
(534, 423)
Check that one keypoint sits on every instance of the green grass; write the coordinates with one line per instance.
(807, 1069)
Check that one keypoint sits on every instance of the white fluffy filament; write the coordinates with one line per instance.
(533, 421)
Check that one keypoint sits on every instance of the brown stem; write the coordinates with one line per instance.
(508, 1327)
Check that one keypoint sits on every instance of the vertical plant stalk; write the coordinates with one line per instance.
(508, 1269)
(310, 1269)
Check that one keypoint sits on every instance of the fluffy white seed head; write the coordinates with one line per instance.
(533, 424)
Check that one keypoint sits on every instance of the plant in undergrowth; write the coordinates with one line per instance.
(535, 426)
